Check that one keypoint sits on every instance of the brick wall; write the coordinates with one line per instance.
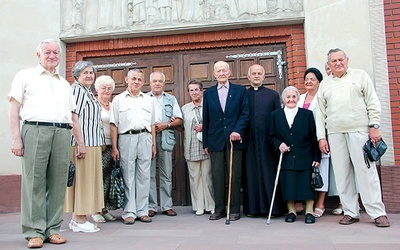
(292, 36)
(391, 174)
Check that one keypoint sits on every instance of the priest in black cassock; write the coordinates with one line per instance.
(261, 165)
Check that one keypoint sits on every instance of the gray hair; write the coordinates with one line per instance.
(104, 79)
(223, 62)
(80, 66)
(333, 51)
(46, 41)
(195, 81)
(137, 71)
(288, 88)
(161, 73)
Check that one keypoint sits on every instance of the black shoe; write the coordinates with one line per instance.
(310, 219)
(290, 218)
(217, 216)
(234, 216)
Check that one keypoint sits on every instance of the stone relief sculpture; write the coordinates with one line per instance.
(165, 8)
(72, 22)
(247, 10)
(192, 10)
(107, 16)
(287, 5)
(137, 12)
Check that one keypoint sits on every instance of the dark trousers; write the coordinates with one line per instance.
(220, 173)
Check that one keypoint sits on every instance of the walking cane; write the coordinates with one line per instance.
(227, 222)
(276, 184)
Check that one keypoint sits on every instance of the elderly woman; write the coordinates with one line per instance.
(308, 100)
(85, 196)
(105, 86)
(292, 131)
(198, 162)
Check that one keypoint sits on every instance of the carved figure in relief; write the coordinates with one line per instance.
(165, 8)
(192, 10)
(72, 22)
(136, 11)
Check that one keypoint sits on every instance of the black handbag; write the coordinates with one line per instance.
(373, 153)
(71, 174)
(316, 179)
(116, 193)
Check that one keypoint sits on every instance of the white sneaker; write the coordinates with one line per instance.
(86, 227)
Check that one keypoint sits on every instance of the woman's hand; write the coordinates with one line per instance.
(284, 148)
(315, 164)
(198, 127)
(81, 151)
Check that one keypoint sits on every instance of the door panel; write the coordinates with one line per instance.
(179, 68)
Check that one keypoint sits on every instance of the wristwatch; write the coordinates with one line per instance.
(374, 126)
(169, 125)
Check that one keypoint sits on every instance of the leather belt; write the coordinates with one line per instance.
(134, 132)
(49, 124)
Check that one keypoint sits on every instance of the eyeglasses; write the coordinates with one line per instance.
(194, 90)
(106, 88)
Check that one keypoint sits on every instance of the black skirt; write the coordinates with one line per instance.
(296, 185)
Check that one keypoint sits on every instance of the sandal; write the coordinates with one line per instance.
(98, 218)
(86, 227)
(318, 212)
(109, 216)
(337, 211)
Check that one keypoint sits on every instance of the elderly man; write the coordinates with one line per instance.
(348, 115)
(167, 107)
(132, 120)
(43, 100)
(225, 118)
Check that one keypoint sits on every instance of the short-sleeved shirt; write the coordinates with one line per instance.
(89, 111)
(132, 112)
(44, 97)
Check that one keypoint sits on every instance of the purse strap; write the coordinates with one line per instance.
(116, 164)
(366, 160)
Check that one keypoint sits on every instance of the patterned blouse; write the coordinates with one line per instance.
(89, 111)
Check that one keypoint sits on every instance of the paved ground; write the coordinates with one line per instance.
(188, 231)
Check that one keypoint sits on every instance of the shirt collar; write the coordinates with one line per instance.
(41, 70)
(153, 95)
(194, 106)
(226, 85)
(291, 111)
(141, 94)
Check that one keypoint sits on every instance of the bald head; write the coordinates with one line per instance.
(256, 75)
(222, 72)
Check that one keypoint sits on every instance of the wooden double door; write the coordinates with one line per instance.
(180, 67)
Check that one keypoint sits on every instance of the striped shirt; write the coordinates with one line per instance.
(89, 111)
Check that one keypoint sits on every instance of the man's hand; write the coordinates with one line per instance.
(17, 148)
(375, 135)
(323, 146)
(235, 136)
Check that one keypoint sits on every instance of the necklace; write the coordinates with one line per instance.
(105, 105)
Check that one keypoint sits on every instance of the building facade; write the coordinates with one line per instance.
(184, 38)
